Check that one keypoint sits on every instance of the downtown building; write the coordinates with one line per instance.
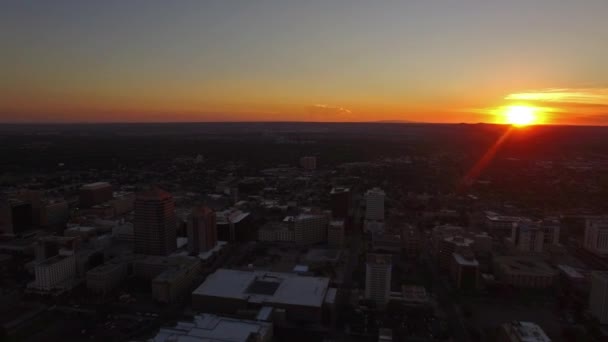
(374, 211)
(155, 223)
(598, 298)
(300, 298)
(378, 270)
(310, 228)
(94, 194)
(202, 230)
(596, 235)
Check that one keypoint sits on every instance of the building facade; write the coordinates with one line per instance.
(335, 233)
(155, 223)
(378, 269)
(374, 204)
(598, 297)
(202, 230)
(596, 235)
(310, 228)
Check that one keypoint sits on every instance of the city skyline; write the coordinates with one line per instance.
(431, 61)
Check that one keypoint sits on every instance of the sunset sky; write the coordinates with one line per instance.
(310, 60)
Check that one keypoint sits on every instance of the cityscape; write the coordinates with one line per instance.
(332, 171)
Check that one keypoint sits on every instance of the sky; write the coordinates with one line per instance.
(313, 60)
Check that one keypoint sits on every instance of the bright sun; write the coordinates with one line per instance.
(521, 115)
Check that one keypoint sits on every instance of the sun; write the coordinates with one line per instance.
(520, 115)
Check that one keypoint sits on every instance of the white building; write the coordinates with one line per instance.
(374, 204)
(57, 272)
(598, 298)
(596, 235)
(378, 270)
(310, 228)
(207, 327)
(335, 233)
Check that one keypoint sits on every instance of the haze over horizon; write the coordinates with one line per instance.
(338, 61)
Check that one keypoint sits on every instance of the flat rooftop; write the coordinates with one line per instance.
(206, 327)
(96, 185)
(461, 260)
(265, 287)
(384, 259)
(527, 265)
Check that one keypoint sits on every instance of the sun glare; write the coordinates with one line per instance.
(520, 115)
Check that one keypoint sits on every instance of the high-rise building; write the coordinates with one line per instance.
(155, 222)
(598, 298)
(310, 228)
(465, 271)
(95, 193)
(527, 237)
(202, 230)
(309, 162)
(374, 204)
(15, 216)
(378, 270)
(335, 233)
(340, 202)
(596, 235)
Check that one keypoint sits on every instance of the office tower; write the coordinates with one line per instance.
(340, 202)
(308, 163)
(596, 235)
(15, 216)
(465, 271)
(155, 223)
(598, 298)
(202, 230)
(335, 233)
(378, 278)
(310, 228)
(374, 204)
(95, 193)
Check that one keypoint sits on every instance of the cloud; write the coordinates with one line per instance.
(575, 96)
(325, 112)
(335, 109)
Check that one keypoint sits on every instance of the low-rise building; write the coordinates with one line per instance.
(105, 278)
(56, 273)
(208, 327)
(524, 272)
(176, 282)
(230, 291)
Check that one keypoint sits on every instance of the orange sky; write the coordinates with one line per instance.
(86, 61)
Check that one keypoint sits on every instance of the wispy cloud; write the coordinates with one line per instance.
(338, 109)
(582, 96)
